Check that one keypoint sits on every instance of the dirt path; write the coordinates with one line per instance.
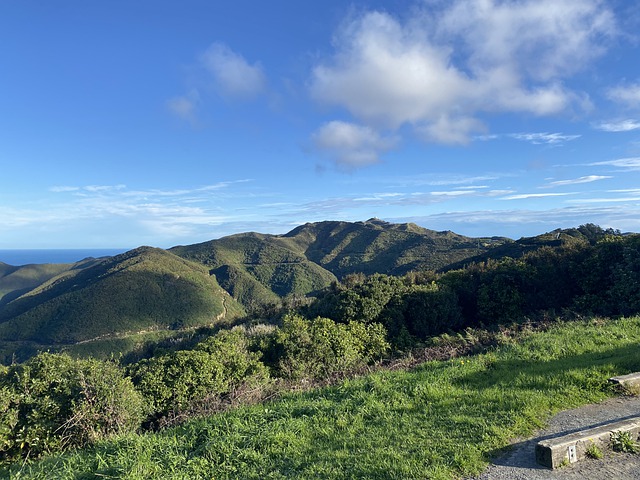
(520, 462)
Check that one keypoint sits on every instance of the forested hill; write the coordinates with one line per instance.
(141, 290)
(258, 269)
(150, 289)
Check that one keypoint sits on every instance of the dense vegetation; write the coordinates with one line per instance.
(54, 401)
(440, 420)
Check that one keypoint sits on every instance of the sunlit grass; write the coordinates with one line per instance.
(442, 420)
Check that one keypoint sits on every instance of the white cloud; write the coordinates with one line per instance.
(544, 138)
(631, 163)
(575, 181)
(621, 126)
(540, 39)
(440, 71)
(450, 130)
(628, 95)
(385, 74)
(234, 76)
(524, 196)
(351, 145)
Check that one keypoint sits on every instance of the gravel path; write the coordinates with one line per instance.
(520, 462)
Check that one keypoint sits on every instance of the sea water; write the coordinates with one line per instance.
(17, 257)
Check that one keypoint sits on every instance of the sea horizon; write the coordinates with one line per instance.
(26, 256)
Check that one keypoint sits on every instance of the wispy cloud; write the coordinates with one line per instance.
(232, 73)
(554, 139)
(442, 180)
(514, 223)
(576, 181)
(620, 126)
(628, 95)
(524, 196)
(185, 106)
(631, 163)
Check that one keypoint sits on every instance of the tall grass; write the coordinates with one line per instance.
(441, 420)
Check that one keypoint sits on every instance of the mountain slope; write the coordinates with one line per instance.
(257, 269)
(15, 281)
(376, 246)
(146, 288)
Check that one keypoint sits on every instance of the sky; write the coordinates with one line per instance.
(154, 122)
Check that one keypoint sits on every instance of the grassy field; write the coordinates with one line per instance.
(441, 420)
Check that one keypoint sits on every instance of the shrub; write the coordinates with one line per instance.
(170, 382)
(54, 401)
(321, 347)
(178, 380)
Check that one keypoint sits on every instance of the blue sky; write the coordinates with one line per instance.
(126, 123)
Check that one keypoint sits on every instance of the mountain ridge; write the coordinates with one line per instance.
(216, 281)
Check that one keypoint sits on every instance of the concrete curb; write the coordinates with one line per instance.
(572, 448)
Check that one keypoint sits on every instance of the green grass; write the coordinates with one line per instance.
(441, 420)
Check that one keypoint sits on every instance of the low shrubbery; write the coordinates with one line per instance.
(53, 402)
(320, 348)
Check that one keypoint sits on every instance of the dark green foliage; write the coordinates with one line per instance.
(577, 276)
(430, 310)
(609, 278)
(171, 382)
(321, 347)
(53, 402)
(175, 381)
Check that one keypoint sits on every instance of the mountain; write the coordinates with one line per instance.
(154, 290)
(376, 246)
(141, 290)
(257, 269)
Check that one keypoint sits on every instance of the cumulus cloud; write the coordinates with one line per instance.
(351, 145)
(233, 75)
(458, 60)
(621, 126)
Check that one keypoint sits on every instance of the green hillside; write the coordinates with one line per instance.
(150, 290)
(144, 289)
(258, 269)
(376, 246)
(15, 281)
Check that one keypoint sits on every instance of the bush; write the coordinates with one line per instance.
(321, 347)
(178, 380)
(54, 401)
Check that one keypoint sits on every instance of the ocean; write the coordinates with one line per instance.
(17, 257)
